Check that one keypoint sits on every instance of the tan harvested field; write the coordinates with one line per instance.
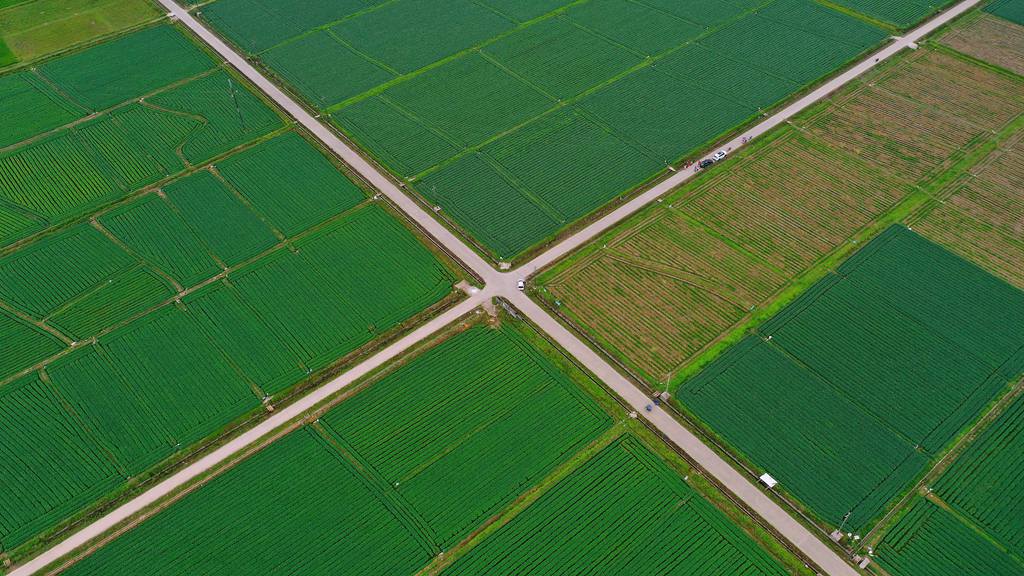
(794, 201)
(981, 216)
(919, 118)
(660, 293)
(668, 283)
(991, 39)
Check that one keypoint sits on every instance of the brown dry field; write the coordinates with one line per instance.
(981, 216)
(920, 117)
(672, 281)
(991, 39)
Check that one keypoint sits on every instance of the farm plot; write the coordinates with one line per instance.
(637, 26)
(991, 39)
(561, 58)
(625, 511)
(922, 115)
(179, 373)
(899, 13)
(407, 35)
(931, 540)
(986, 483)
(129, 67)
(1008, 9)
(314, 62)
(981, 215)
(471, 423)
(875, 369)
(671, 280)
(345, 284)
(326, 518)
(54, 169)
(31, 106)
(39, 27)
(255, 25)
(49, 464)
(636, 85)
(79, 282)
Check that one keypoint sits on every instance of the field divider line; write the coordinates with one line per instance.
(246, 440)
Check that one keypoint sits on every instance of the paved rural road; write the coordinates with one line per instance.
(503, 285)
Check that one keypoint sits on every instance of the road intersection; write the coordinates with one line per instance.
(503, 284)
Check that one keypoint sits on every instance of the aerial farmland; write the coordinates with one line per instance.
(495, 287)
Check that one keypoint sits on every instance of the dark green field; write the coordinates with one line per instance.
(852, 389)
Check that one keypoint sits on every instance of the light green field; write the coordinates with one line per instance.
(35, 28)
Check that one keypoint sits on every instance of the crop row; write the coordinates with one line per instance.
(986, 483)
(303, 507)
(931, 540)
(68, 172)
(397, 474)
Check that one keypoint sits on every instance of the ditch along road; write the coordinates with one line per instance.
(499, 284)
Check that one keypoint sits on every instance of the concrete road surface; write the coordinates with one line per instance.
(499, 284)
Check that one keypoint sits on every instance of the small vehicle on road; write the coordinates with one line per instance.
(719, 156)
(521, 285)
(706, 163)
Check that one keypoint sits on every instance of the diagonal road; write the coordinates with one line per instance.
(503, 284)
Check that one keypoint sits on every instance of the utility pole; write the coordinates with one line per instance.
(234, 98)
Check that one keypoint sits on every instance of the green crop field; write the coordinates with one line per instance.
(625, 512)
(876, 368)
(1011, 10)
(899, 13)
(410, 468)
(162, 376)
(519, 119)
(931, 540)
(986, 483)
(468, 425)
(30, 29)
(54, 169)
(310, 509)
(160, 321)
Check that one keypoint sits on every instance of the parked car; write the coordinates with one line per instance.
(719, 156)
(521, 285)
(706, 163)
